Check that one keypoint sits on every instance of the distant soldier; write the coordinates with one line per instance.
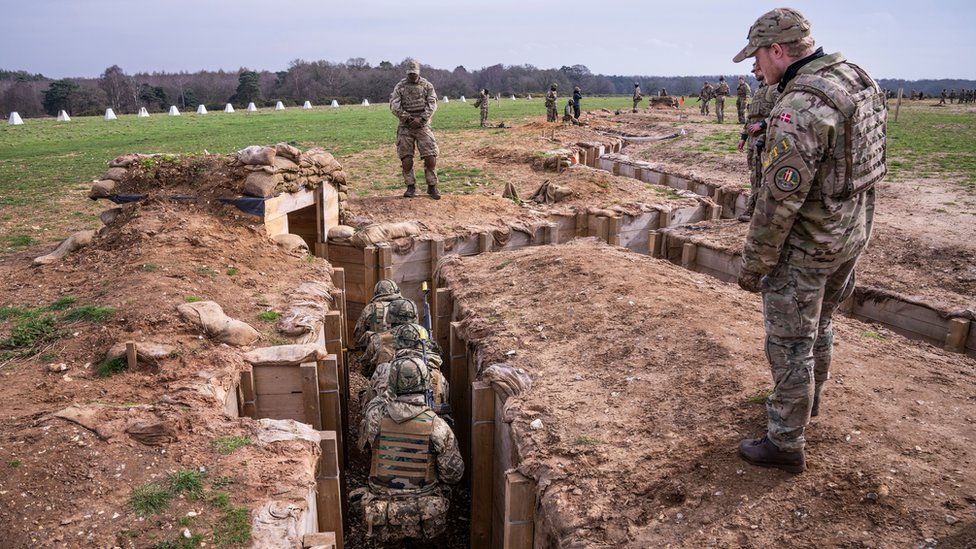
(704, 96)
(568, 113)
(637, 95)
(379, 346)
(373, 319)
(413, 102)
(813, 218)
(413, 340)
(942, 97)
(482, 102)
(721, 92)
(952, 96)
(413, 456)
(551, 110)
(754, 136)
(577, 96)
(742, 92)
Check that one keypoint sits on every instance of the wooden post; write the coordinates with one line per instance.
(484, 242)
(654, 239)
(714, 211)
(132, 359)
(519, 511)
(460, 398)
(248, 407)
(330, 402)
(582, 224)
(385, 261)
(328, 491)
(663, 216)
(310, 395)
(958, 331)
(613, 231)
(550, 234)
(442, 313)
(482, 462)
(436, 253)
(320, 247)
(616, 167)
(901, 91)
(688, 252)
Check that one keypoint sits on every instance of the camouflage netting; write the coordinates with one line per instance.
(255, 171)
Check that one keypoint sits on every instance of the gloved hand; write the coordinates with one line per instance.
(416, 123)
(749, 280)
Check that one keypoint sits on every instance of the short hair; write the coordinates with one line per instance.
(799, 48)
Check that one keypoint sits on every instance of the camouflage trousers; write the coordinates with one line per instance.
(740, 107)
(720, 109)
(798, 304)
(755, 176)
(551, 113)
(636, 102)
(391, 519)
(484, 115)
(704, 106)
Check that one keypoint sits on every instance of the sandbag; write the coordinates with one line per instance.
(256, 155)
(291, 242)
(306, 310)
(110, 215)
(115, 174)
(385, 232)
(260, 184)
(511, 192)
(288, 151)
(102, 189)
(510, 380)
(286, 355)
(147, 352)
(210, 318)
(283, 164)
(68, 245)
(341, 232)
(550, 193)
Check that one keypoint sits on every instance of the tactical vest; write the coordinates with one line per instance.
(551, 99)
(413, 97)
(858, 154)
(378, 321)
(402, 456)
(385, 353)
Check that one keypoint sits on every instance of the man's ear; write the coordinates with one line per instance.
(776, 51)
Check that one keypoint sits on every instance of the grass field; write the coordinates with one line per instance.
(46, 166)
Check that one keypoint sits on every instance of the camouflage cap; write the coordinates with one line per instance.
(409, 375)
(409, 336)
(413, 66)
(385, 287)
(779, 26)
(402, 311)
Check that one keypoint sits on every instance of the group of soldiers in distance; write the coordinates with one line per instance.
(963, 95)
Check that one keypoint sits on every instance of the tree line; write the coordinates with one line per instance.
(323, 81)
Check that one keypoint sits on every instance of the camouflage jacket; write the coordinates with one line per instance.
(743, 90)
(413, 100)
(759, 109)
(482, 101)
(722, 89)
(551, 98)
(360, 334)
(793, 217)
(707, 92)
(450, 466)
(380, 381)
(637, 94)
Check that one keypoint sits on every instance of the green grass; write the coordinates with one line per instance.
(233, 271)
(30, 332)
(267, 316)
(872, 335)
(230, 444)
(187, 482)
(149, 267)
(13, 464)
(62, 303)
(192, 299)
(234, 527)
(760, 396)
(586, 440)
(149, 499)
(89, 313)
(110, 367)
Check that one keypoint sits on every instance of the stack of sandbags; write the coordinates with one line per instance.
(285, 168)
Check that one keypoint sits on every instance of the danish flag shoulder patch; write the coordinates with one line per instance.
(786, 117)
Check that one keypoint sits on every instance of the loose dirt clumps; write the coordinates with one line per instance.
(646, 376)
(97, 454)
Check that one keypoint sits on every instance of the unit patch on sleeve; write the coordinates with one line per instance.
(787, 179)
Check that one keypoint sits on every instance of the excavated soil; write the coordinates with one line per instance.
(643, 397)
(67, 485)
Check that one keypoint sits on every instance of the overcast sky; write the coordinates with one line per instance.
(891, 38)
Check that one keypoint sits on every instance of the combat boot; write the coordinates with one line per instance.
(764, 453)
(745, 218)
(432, 191)
(411, 180)
(431, 177)
(411, 191)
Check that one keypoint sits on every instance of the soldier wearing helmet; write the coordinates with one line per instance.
(414, 456)
(551, 97)
(379, 346)
(374, 315)
(412, 340)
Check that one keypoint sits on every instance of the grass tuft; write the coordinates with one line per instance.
(62, 303)
(268, 316)
(110, 367)
(760, 396)
(193, 299)
(233, 271)
(586, 440)
(89, 313)
(149, 499)
(187, 482)
(234, 527)
(30, 332)
(230, 444)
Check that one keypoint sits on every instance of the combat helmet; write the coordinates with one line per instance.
(409, 376)
(401, 311)
(553, 86)
(409, 336)
(385, 288)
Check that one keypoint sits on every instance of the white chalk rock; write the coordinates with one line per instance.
(15, 119)
(68, 245)
(143, 113)
(228, 108)
(210, 318)
(307, 105)
(536, 424)
(201, 109)
(251, 107)
(173, 111)
(335, 104)
(365, 102)
(110, 115)
(63, 116)
(279, 106)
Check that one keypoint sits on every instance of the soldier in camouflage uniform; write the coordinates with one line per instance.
(704, 96)
(413, 102)
(482, 102)
(414, 456)
(379, 346)
(742, 92)
(942, 97)
(825, 151)
(754, 136)
(412, 340)
(551, 97)
(721, 91)
(373, 318)
(637, 95)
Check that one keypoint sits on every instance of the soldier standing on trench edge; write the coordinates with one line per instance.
(413, 102)
(825, 151)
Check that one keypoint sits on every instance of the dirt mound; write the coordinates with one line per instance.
(88, 443)
(645, 378)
